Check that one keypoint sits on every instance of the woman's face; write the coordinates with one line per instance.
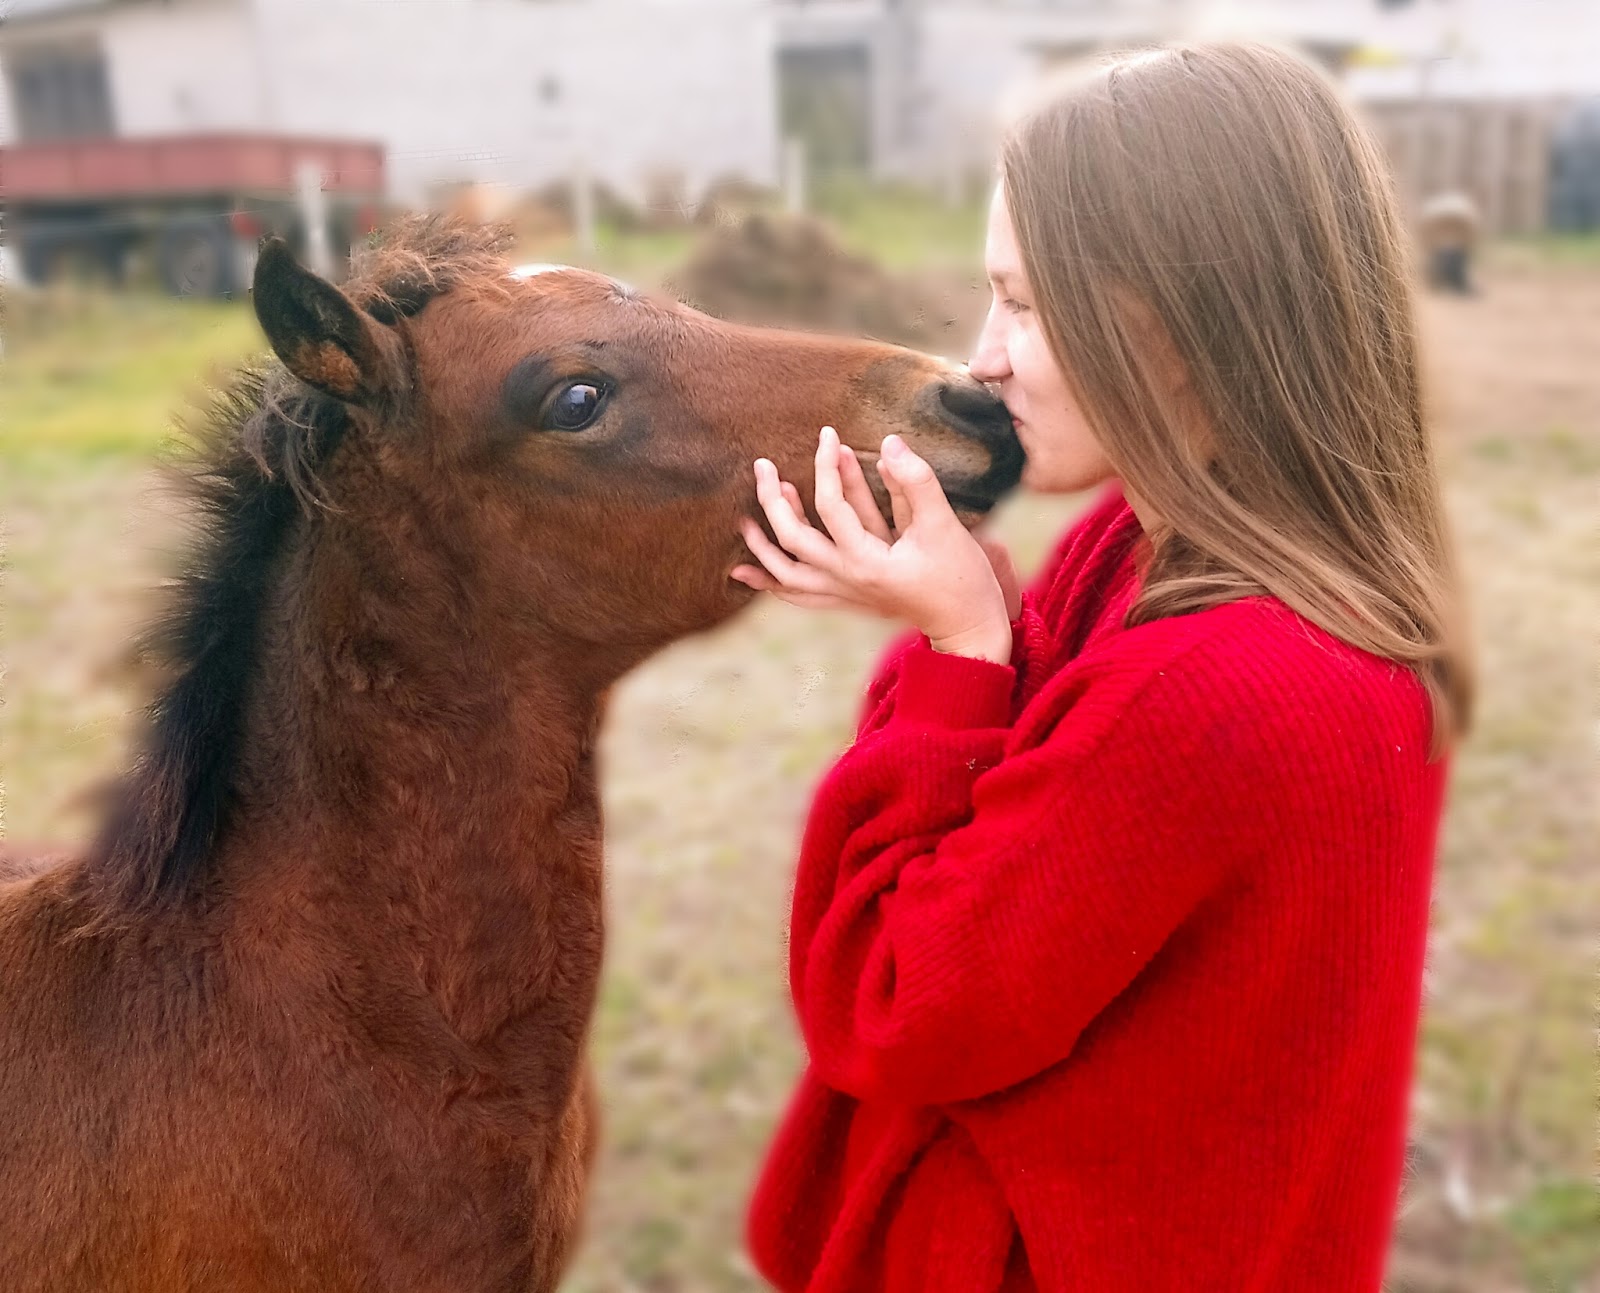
(1063, 454)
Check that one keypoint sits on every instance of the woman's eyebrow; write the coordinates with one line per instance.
(1002, 277)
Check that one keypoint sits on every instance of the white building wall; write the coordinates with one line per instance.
(195, 74)
(1485, 49)
(518, 92)
(975, 59)
(969, 63)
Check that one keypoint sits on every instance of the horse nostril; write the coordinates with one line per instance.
(969, 407)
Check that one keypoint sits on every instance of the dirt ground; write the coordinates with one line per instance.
(713, 747)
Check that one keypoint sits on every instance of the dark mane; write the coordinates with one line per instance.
(257, 450)
(423, 257)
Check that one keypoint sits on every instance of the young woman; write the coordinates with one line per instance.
(1108, 932)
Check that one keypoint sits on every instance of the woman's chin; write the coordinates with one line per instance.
(1038, 477)
(1029, 482)
(1043, 478)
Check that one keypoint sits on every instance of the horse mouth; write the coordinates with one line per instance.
(971, 503)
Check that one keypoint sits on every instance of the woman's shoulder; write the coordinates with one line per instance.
(1246, 675)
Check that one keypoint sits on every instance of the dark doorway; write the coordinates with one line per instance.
(825, 98)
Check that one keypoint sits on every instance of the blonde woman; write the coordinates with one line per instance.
(1108, 931)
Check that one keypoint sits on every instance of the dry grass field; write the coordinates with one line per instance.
(713, 747)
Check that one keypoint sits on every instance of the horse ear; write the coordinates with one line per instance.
(317, 331)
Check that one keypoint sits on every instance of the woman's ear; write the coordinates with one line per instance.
(320, 335)
(1158, 352)
(1155, 345)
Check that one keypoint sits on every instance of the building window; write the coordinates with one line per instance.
(59, 92)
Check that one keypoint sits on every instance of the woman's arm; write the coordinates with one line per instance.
(969, 899)
(1030, 648)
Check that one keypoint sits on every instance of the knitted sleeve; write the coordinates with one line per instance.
(1030, 637)
(970, 897)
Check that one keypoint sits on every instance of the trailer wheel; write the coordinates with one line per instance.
(196, 258)
(40, 256)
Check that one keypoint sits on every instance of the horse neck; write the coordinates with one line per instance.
(426, 802)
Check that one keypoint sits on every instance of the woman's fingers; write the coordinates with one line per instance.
(790, 574)
(762, 582)
(914, 489)
(794, 532)
(860, 496)
(899, 504)
(1005, 573)
(755, 577)
(839, 516)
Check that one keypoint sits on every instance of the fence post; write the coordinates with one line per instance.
(794, 175)
(583, 205)
(314, 215)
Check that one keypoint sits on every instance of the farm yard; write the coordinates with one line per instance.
(712, 748)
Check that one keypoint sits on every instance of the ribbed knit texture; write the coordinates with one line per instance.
(1108, 961)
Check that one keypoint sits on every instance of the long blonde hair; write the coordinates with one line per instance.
(1229, 192)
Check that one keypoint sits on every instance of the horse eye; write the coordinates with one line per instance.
(574, 407)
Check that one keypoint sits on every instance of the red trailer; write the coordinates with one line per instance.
(198, 203)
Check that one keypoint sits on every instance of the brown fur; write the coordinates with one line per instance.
(312, 1014)
(330, 368)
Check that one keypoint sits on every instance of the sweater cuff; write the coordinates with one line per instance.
(941, 689)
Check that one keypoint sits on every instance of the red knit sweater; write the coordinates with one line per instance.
(1108, 961)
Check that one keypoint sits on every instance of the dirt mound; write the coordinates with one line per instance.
(610, 207)
(730, 198)
(789, 271)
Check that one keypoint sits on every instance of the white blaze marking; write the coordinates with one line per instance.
(534, 270)
(530, 271)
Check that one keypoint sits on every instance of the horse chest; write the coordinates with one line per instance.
(472, 1176)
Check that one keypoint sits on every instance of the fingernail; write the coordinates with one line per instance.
(893, 445)
(829, 432)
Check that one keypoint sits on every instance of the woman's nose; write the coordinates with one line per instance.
(988, 362)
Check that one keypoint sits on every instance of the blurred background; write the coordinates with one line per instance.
(821, 164)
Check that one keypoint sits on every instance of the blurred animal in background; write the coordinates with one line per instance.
(312, 1013)
(1450, 226)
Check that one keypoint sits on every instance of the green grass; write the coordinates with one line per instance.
(101, 377)
(1557, 1232)
(1560, 250)
(902, 228)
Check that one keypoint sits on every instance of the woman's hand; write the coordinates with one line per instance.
(1005, 573)
(929, 570)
